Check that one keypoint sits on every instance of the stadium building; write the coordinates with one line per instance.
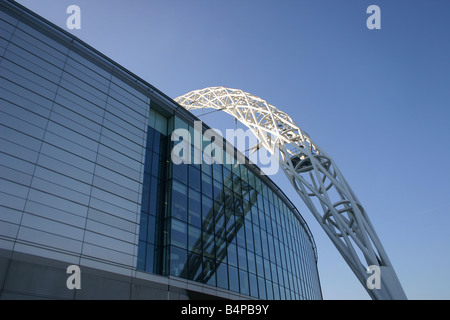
(87, 179)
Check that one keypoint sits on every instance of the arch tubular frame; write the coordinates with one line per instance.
(315, 177)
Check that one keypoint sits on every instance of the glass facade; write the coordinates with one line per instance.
(87, 177)
(226, 227)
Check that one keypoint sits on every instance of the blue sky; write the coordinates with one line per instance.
(377, 101)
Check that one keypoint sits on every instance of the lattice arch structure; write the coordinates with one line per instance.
(315, 177)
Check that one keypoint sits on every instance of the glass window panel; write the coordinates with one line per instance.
(179, 201)
(180, 172)
(240, 235)
(253, 285)
(156, 141)
(195, 240)
(271, 248)
(206, 185)
(243, 282)
(194, 267)
(194, 208)
(150, 136)
(251, 262)
(259, 266)
(262, 219)
(217, 190)
(209, 274)
(222, 275)
(232, 254)
(221, 249)
(156, 163)
(178, 258)
(194, 177)
(226, 174)
(265, 247)
(161, 123)
(269, 290)
(217, 172)
(242, 258)
(180, 124)
(283, 294)
(143, 227)
(274, 272)
(207, 210)
(141, 255)
(233, 278)
(230, 222)
(262, 288)
(208, 245)
(238, 207)
(249, 236)
(206, 168)
(257, 240)
(220, 222)
(178, 236)
(267, 272)
(150, 258)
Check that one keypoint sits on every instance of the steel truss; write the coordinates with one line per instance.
(315, 177)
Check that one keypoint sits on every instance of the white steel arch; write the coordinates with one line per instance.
(315, 177)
